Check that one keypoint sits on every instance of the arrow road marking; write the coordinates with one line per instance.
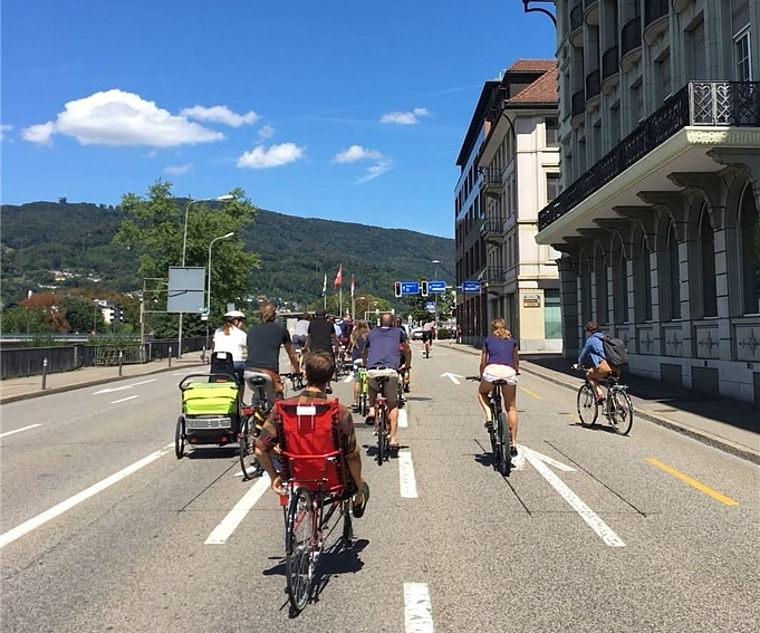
(587, 514)
(545, 458)
(453, 377)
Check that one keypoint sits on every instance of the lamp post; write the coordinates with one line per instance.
(223, 198)
(435, 263)
(208, 286)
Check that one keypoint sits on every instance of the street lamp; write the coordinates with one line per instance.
(208, 287)
(223, 198)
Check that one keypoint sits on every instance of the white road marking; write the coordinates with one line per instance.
(453, 377)
(407, 483)
(403, 420)
(418, 610)
(545, 458)
(348, 378)
(123, 387)
(587, 514)
(71, 502)
(25, 428)
(224, 530)
(124, 399)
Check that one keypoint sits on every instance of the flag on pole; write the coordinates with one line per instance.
(324, 285)
(339, 277)
(352, 286)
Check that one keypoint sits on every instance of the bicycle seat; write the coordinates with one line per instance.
(499, 382)
(255, 381)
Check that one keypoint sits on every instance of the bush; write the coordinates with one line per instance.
(444, 333)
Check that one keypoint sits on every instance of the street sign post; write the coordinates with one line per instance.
(436, 287)
(410, 288)
(471, 286)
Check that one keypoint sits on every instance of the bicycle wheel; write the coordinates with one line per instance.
(248, 466)
(179, 437)
(363, 405)
(504, 464)
(348, 527)
(587, 409)
(300, 537)
(622, 411)
(381, 435)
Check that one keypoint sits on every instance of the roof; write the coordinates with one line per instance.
(541, 92)
(532, 65)
(476, 123)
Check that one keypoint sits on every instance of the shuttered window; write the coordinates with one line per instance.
(739, 15)
(698, 53)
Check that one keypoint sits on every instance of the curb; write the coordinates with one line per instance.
(82, 385)
(701, 436)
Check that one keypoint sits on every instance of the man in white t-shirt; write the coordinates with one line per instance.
(232, 338)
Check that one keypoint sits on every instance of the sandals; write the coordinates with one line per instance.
(358, 510)
(488, 424)
(394, 446)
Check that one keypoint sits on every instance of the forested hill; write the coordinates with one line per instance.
(40, 237)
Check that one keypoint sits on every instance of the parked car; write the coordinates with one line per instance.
(416, 334)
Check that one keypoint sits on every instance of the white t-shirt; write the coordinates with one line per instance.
(236, 342)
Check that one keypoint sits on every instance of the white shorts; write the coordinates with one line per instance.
(492, 373)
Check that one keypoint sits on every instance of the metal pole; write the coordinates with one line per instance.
(44, 373)
(121, 361)
(170, 355)
(142, 315)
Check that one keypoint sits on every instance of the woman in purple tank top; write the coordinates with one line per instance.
(499, 360)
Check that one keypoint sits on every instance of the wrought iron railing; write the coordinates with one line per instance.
(593, 84)
(490, 177)
(610, 62)
(494, 274)
(630, 36)
(576, 17)
(707, 103)
(492, 226)
(578, 104)
(654, 10)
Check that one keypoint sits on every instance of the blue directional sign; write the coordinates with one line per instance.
(430, 306)
(410, 288)
(436, 287)
(470, 286)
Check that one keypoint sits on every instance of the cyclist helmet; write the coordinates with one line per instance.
(234, 314)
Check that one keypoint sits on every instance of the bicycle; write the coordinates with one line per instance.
(363, 398)
(616, 406)
(499, 434)
(382, 424)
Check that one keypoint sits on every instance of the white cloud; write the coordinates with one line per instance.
(3, 129)
(178, 170)
(220, 114)
(266, 132)
(276, 155)
(117, 118)
(356, 152)
(405, 118)
(377, 169)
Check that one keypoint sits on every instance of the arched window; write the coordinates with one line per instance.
(749, 221)
(642, 287)
(600, 266)
(586, 305)
(707, 265)
(620, 283)
(673, 274)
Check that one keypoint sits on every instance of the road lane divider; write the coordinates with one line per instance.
(71, 502)
(403, 419)
(24, 428)
(453, 377)
(693, 482)
(234, 517)
(530, 393)
(418, 609)
(407, 482)
(593, 520)
(348, 378)
(123, 387)
(124, 399)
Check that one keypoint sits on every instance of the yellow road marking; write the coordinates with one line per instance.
(530, 393)
(693, 482)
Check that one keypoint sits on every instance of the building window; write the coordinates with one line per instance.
(749, 221)
(552, 187)
(673, 275)
(552, 132)
(664, 83)
(644, 281)
(600, 265)
(697, 52)
(552, 314)
(615, 123)
(620, 283)
(637, 102)
(742, 59)
(586, 305)
(707, 265)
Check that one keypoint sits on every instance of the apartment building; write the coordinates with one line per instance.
(509, 165)
(657, 220)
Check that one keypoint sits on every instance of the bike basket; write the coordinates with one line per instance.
(205, 399)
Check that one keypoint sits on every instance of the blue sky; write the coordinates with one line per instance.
(350, 110)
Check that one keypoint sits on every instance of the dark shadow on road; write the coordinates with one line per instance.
(200, 451)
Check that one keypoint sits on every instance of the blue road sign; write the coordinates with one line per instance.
(430, 306)
(470, 286)
(410, 288)
(436, 287)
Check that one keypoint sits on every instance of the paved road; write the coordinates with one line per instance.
(104, 530)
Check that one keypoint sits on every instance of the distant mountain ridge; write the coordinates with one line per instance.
(296, 252)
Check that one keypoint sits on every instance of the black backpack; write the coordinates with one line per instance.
(615, 351)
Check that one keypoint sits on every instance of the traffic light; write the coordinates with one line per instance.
(397, 288)
(424, 288)
(121, 315)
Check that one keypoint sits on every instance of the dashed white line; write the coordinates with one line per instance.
(418, 610)
(407, 482)
(348, 378)
(224, 530)
(69, 503)
(403, 419)
(587, 514)
(25, 428)
(124, 399)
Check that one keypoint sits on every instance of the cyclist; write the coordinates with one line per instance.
(381, 358)
(406, 374)
(322, 337)
(356, 345)
(301, 331)
(319, 369)
(594, 350)
(265, 340)
(428, 332)
(231, 338)
(499, 360)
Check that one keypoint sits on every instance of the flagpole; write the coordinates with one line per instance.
(341, 299)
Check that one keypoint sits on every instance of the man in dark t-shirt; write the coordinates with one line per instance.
(322, 337)
(264, 342)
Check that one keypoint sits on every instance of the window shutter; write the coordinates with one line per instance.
(698, 53)
(739, 15)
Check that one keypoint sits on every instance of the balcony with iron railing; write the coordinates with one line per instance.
(630, 43)
(576, 25)
(593, 88)
(492, 229)
(578, 104)
(610, 65)
(591, 12)
(494, 275)
(699, 103)
(655, 19)
(490, 182)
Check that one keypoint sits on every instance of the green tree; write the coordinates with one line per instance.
(23, 320)
(153, 227)
(81, 314)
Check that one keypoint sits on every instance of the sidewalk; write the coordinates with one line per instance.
(730, 425)
(15, 389)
